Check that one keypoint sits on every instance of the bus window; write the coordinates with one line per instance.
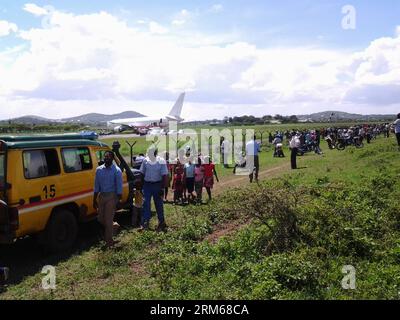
(100, 157)
(40, 163)
(76, 159)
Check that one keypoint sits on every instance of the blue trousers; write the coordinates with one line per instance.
(152, 190)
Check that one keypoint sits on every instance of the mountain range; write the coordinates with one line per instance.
(89, 118)
(102, 119)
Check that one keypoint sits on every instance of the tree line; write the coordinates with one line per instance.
(39, 128)
(260, 120)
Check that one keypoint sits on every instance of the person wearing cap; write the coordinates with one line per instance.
(155, 172)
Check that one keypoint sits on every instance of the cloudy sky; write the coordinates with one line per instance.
(233, 57)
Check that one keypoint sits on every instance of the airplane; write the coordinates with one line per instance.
(142, 125)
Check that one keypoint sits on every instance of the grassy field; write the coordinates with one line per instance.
(141, 144)
(287, 238)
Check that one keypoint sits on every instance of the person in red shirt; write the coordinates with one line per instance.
(177, 184)
(199, 180)
(209, 173)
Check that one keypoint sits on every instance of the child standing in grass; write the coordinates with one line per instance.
(189, 179)
(199, 180)
(209, 173)
(177, 184)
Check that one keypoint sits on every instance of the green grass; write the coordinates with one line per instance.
(345, 213)
(143, 142)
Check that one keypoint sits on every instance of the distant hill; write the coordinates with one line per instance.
(29, 120)
(102, 119)
(344, 116)
(90, 118)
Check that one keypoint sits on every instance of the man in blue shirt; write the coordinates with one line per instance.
(107, 194)
(155, 172)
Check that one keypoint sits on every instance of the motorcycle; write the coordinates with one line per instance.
(342, 143)
(305, 148)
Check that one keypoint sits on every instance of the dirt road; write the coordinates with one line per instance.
(236, 181)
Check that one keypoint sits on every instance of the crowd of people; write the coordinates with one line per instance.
(189, 175)
(366, 132)
(189, 178)
(307, 140)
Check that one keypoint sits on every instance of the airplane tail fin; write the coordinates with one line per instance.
(176, 110)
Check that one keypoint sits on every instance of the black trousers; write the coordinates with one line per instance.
(398, 138)
(256, 167)
(293, 157)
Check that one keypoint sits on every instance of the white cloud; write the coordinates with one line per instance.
(375, 73)
(178, 22)
(217, 8)
(156, 28)
(35, 9)
(182, 17)
(185, 13)
(7, 27)
(82, 62)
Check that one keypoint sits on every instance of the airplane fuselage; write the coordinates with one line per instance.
(142, 122)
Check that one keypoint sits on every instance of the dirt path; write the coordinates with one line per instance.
(235, 181)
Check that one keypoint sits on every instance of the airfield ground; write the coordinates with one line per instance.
(237, 246)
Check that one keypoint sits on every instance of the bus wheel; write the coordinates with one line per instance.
(62, 231)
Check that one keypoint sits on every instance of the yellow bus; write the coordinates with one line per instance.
(46, 186)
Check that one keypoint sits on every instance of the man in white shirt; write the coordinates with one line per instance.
(226, 152)
(396, 125)
(252, 160)
(294, 147)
